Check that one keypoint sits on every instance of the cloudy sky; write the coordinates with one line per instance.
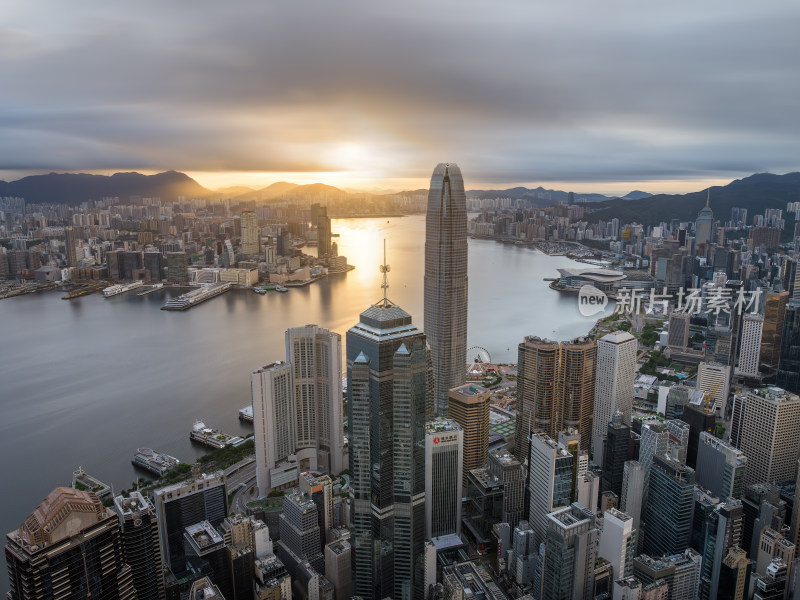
(599, 95)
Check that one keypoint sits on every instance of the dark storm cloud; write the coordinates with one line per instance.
(513, 91)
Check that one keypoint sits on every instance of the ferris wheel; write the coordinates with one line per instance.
(478, 354)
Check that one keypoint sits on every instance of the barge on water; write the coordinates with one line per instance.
(195, 297)
(154, 462)
(121, 288)
(213, 438)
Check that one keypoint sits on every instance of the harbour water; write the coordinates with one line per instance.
(88, 381)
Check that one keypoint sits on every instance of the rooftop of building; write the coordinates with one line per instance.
(469, 390)
(618, 514)
(339, 546)
(64, 513)
(131, 504)
(204, 534)
(198, 484)
(617, 337)
(775, 394)
(441, 424)
(504, 457)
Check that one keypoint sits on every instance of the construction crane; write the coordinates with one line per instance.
(707, 396)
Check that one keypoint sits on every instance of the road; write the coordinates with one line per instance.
(241, 478)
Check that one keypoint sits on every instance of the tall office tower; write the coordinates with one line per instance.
(617, 452)
(323, 223)
(704, 223)
(555, 389)
(338, 568)
(71, 241)
(114, 264)
(720, 467)
(750, 348)
(537, 392)
(654, 442)
(571, 553)
(680, 571)
(140, 544)
(618, 542)
(678, 330)
(772, 331)
(723, 532)
(762, 508)
(152, 263)
(613, 387)
(316, 358)
(183, 504)
(713, 379)
(524, 553)
(577, 385)
(320, 489)
(699, 421)
(668, 513)
(275, 424)
(177, 263)
(446, 281)
(550, 475)
(444, 466)
(469, 407)
(789, 365)
(300, 536)
(240, 543)
(769, 435)
(633, 482)
(505, 467)
(387, 376)
(206, 554)
(734, 575)
(69, 547)
(678, 439)
(251, 236)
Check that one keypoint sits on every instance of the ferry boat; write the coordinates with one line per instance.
(281, 289)
(155, 462)
(213, 438)
(121, 288)
(259, 290)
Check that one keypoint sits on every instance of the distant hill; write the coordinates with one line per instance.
(233, 191)
(74, 188)
(270, 192)
(636, 195)
(755, 193)
(543, 197)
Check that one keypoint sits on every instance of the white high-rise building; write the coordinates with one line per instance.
(613, 388)
(750, 348)
(549, 481)
(618, 542)
(444, 460)
(714, 380)
(297, 409)
(275, 425)
(770, 435)
(316, 357)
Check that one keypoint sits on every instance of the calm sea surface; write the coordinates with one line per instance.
(85, 382)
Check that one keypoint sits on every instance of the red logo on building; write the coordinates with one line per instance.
(436, 440)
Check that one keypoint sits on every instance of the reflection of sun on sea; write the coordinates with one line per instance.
(360, 240)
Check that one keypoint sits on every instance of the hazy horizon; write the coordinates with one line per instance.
(603, 97)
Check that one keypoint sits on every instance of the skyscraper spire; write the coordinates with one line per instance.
(384, 268)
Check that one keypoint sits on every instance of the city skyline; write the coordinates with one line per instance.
(656, 97)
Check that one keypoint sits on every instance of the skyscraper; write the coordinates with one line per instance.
(550, 472)
(469, 407)
(713, 379)
(750, 349)
(250, 233)
(444, 459)
(769, 435)
(316, 358)
(70, 241)
(720, 467)
(613, 387)
(789, 365)
(772, 331)
(617, 452)
(555, 389)
(140, 544)
(571, 553)
(446, 281)
(704, 223)
(387, 381)
(275, 425)
(670, 504)
(618, 542)
(68, 547)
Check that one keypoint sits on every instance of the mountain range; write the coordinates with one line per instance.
(756, 192)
